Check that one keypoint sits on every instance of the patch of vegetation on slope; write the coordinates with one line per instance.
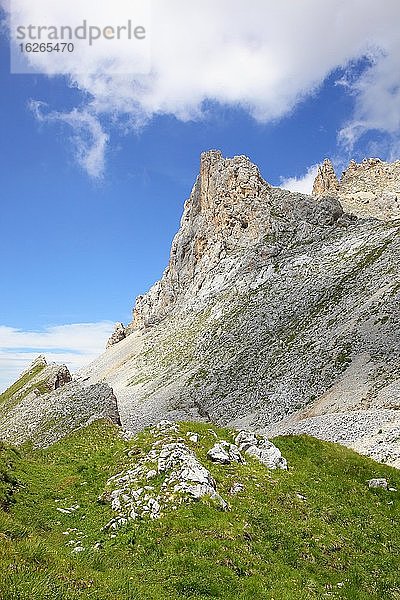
(311, 532)
(8, 481)
(7, 397)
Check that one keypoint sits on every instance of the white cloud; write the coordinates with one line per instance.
(302, 184)
(89, 139)
(377, 95)
(74, 345)
(263, 55)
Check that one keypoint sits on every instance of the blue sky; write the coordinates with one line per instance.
(81, 237)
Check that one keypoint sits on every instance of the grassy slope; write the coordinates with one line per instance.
(341, 541)
(7, 400)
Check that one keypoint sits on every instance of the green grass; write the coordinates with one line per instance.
(8, 481)
(340, 541)
(6, 398)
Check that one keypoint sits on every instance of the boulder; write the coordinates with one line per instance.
(261, 449)
(378, 483)
(118, 335)
(224, 453)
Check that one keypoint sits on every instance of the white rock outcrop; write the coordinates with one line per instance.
(181, 478)
(223, 452)
(262, 449)
(378, 483)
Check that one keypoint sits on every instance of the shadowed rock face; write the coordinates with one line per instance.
(367, 189)
(118, 335)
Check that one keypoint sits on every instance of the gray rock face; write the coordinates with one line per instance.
(230, 210)
(274, 308)
(277, 312)
(24, 399)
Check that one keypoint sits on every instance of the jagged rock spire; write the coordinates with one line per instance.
(118, 335)
(367, 189)
(326, 183)
(222, 213)
(230, 210)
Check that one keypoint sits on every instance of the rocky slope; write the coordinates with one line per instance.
(274, 307)
(44, 405)
(39, 378)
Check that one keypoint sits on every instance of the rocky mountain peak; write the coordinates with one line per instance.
(367, 189)
(117, 336)
(222, 214)
(326, 183)
(48, 376)
(39, 362)
(226, 188)
(230, 210)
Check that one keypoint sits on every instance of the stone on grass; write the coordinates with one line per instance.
(261, 449)
(224, 453)
(378, 483)
(182, 479)
(236, 488)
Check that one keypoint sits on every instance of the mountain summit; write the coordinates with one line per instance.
(277, 311)
(233, 222)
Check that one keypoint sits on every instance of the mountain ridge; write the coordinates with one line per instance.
(278, 312)
(367, 189)
(230, 208)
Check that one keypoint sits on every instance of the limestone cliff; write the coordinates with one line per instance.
(231, 209)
